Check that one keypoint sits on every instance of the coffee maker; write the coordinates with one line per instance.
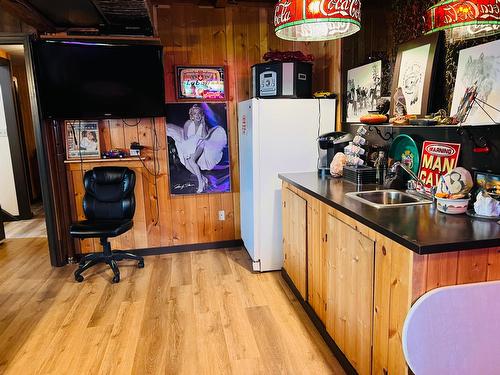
(328, 145)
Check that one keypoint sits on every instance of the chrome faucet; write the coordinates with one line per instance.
(415, 178)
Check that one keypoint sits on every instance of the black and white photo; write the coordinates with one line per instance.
(363, 90)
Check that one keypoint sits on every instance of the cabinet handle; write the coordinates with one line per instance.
(326, 237)
(356, 259)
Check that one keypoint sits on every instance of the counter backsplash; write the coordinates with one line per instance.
(488, 162)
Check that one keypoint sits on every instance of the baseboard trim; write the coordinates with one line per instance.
(187, 248)
(344, 362)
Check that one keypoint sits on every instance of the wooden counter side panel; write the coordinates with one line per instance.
(494, 264)
(455, 268)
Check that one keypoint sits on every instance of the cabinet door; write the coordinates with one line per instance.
(294, 239)
(350, 292)
(316, 257)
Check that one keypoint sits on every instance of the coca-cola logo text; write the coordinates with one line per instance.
(282, 13)
(345, 8)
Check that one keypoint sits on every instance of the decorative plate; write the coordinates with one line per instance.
(404, 149)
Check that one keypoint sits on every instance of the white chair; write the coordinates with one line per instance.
(455, 330)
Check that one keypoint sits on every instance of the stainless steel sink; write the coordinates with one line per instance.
(388, 198)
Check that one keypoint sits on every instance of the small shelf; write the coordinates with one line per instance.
(421, 126)
(108, 160)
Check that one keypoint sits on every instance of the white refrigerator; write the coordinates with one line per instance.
(275, 136)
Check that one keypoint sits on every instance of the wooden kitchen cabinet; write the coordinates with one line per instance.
(350, 292)
(317, 258)
(358, 285)
(295, 239)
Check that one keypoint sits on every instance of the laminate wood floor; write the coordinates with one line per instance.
(187, 313)
(34, 227)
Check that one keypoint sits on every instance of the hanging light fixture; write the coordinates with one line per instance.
(316, 20)
(463, 19)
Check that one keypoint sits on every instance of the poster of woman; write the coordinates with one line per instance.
(82, 139)
(198, 151)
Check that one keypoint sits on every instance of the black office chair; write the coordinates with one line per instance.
(109, 206)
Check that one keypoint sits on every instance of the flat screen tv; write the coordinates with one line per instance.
(79, 80)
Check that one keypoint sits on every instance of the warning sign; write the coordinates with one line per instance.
(438, 158)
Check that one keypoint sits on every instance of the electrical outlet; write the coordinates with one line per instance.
(222, 215)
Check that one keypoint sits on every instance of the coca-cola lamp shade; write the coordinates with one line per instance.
(464, 19)
(316, 20)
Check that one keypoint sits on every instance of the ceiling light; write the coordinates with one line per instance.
(463, 19)
(316, 20)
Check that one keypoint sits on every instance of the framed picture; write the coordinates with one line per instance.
(363, 90)
(479, 67)
(413, 75)
(487, 181)
(200, 83)
(198, 151)
(82, 140)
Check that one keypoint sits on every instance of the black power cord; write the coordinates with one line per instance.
(156, 167)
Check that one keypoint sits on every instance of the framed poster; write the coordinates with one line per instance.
(363, 90)
(198, 151)
(479, 66)
(82, 140)
(413, 74)
(200, 82)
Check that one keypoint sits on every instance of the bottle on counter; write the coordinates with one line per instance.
(381, 167)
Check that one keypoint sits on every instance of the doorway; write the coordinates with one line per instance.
(57, 249)
(21, 203)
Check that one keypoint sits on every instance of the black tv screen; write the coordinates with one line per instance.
(78, 80)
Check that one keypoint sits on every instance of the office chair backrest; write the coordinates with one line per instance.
(109, 193)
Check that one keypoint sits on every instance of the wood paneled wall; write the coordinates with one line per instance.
(236, 37)
(161, 219)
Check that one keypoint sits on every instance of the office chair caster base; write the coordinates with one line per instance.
(108, 256)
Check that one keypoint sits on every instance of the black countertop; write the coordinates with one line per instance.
(422, 229)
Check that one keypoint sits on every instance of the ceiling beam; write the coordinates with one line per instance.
(29, 15)
(213, 3)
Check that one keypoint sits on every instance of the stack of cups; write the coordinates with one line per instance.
(355, 149)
